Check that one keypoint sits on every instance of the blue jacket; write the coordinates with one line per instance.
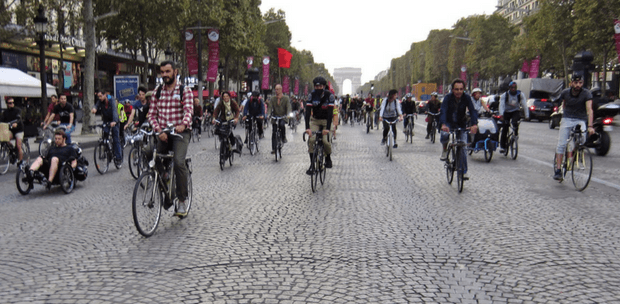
(454, 115)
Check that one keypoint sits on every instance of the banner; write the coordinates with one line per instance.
(329, 85)
(286, 85)
(214, 54)
(296, 87)
(534, 66)
(126, 87)
(526, 66)
(191, 53)
(284, 58)
(250, 61)
(464, 73)
(617, 36)
(306, 90)
(265, 84)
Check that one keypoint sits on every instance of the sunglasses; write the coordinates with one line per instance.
(10, 103)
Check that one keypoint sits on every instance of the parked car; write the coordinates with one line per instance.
(422, 106)
(540, 105)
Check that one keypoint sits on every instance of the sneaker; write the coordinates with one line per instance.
(427, 136)
(181, 209)
(328, 161)
(29, 174)
(48, 184)
(383, 142)
(444, 155)
(284, 140)
(502, 150)
(310, 171)
(465, 176)
(558, 174)
(395, 146)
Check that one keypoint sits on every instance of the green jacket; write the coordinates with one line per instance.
(282, 109)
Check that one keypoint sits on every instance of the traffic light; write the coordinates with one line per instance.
(582, 64)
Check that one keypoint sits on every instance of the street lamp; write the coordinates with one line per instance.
(40, 26)
(168, 54)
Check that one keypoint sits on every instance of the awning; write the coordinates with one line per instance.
(16, 83)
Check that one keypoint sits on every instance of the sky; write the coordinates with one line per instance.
(368, 34)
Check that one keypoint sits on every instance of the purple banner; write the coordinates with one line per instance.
(250, 61)
(286, 85)
(464, 73)
(296, 87)
(617, 36)
(191, 53)
(526, 66)
(306, 90)
(214, 54)
(265, 84)
(534, 66)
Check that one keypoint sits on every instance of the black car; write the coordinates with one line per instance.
(540, 105)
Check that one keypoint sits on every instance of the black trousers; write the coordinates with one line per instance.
(513, 118)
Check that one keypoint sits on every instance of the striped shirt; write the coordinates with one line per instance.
(169, 108)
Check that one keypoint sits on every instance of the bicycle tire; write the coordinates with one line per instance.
(488, 155)
(231, 157)
(217, 142)
(449, 165)
(582, 168)
(252, 143)
(67, 179)
(102, 164)
(133, 160)
(314, 175)
(459, 170)
(508, 144)
(5, 159)
(514, 147)
(23, 185)
(146, 204)
(318, 167)
(223, 156)
(390, 145)
(323, 170)
(433, 131)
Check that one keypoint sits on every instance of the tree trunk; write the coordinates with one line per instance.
(89, 73)
(144, 75)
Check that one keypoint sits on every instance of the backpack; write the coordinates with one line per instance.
(518, 97)
(122, 116)
(181, 89)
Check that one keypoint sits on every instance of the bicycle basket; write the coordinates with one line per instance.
(5, 134)
(222, 130)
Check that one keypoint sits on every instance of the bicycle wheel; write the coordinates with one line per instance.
(146, 204)
(514, 147)
(323, 170)
(67, 179)
(278, 144)
(410, 131)
(188, 200)
(26, 151)
(133, 160)
(459, 169)
(223, 156)
(5, 159)
(508, 144)
(23, 185)
(390, 145)
(488, 154)
(314, 176)
(102, 164)
(582, 168)
(252, 141)
(318, 167)
(45, 145)
(231, 157)
(433, 131)
(449, 165)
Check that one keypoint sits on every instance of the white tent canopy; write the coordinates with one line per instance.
(14, 82)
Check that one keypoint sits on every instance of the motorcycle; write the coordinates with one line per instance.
(603, 119)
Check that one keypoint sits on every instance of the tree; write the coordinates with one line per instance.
(489, 52)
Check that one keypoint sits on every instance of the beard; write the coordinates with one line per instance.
(168, 80)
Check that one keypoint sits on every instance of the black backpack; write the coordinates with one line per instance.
(158, 93)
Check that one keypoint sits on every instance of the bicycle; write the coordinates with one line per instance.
(153, 189)
(360, 117)
(196, 130)
(9, 154)
(352, 117)
(138, 159)
(455, 158)
(207, 125)
(318, 159)
(512, 141)
(292, 121)
(253, 138)
(409, 129)
(369, 121)
(278, 138)
(390, 138)
(434, 125)
(104, 151)
(223, 131)
(577, 159)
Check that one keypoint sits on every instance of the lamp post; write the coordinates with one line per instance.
(168, 54)
(40, 26)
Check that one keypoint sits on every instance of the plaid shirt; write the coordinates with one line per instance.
(170, 109)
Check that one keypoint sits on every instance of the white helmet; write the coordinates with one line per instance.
(249, 94)
(476, 90)
(434, 93)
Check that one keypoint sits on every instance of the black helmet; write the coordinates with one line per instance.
(319, 80)
(256, 93)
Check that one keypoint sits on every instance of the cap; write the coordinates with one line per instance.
(577, 77)
(476, 90)
(434, 93)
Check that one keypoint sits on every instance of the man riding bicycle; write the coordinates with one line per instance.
(109, 114)
(369, 107)
(254, 108)
(279, 105)
(14, 114)
(390, 110)
(171, 105)
(510, 112)
(320, 105)
(577, 106)
(197, 119)
(408, 107)
(433, 106)
(453, 115)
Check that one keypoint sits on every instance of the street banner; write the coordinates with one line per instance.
(440, 89)
(296, 87)
(475, 80)
(191, 53)
(306, 90)
(525, 68)
(534, 66)
(617, 36)
(284, 58)
(464, 73)
(286, 85)
(214, 54)
(250, 61)
(265, 84)
(125, 87)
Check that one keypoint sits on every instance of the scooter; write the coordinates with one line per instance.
(603, 118)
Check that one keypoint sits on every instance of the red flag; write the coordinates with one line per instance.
(284, 58)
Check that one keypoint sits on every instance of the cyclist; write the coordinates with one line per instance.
(345, 108)
(320, 105)
(13, 113)
(140, 107)
(58, 154)
(433, 106)
(254, 108)
(279, 105)
(335, 116)
(453, 115)
(109, 114)
(67, 116)
(479, 104)
(171, 105)
(50, 110)
(390, 110)
(408, 107)
(197, 119)
(577, 106)
(369, 107)
(509, 111)
(353, 107)
(226, 110)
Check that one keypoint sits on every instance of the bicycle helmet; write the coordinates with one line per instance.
(250, 94)
(319, 81)
(408, 95)
(476, 90)
(434, 94)
(255, 93)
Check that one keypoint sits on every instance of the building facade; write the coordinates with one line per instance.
(516, 10)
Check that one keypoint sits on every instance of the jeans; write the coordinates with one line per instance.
(68, 131)
(445, 139)
(566, 125)
(115, 140)
(181, 172)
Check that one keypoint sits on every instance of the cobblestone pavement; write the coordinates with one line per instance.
(376, 232)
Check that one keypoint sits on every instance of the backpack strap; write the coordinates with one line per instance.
(181, 89)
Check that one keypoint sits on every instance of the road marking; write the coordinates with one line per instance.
(594, 179)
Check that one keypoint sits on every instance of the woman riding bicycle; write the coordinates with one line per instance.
(390, 110)
(432, 107)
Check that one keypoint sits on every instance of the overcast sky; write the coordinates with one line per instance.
(368, 34)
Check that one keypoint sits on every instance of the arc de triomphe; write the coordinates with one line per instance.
(353, 74)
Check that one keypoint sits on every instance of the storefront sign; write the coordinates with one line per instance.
(126, 87)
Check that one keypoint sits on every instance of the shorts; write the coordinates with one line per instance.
(19, 135)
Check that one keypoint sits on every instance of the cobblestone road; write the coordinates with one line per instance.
(376, 232)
